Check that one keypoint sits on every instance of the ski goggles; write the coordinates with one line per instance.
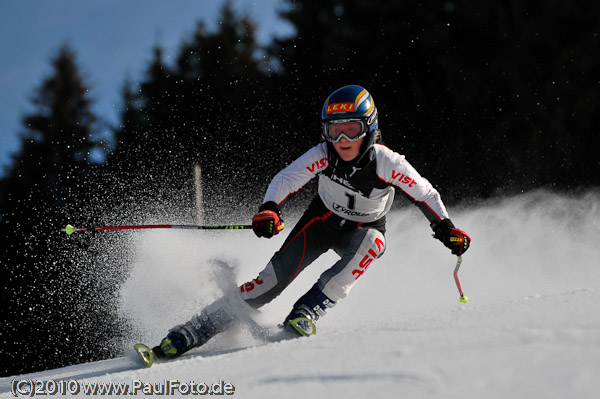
(351, 129)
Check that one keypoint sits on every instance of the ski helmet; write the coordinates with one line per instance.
(351, 113)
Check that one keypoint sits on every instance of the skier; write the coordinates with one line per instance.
(357, 176)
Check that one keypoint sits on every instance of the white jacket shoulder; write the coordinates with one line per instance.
(293, 177)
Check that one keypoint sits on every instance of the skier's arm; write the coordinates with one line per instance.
(292, 178)
(268, 221)
(394, 169)
(397, 171)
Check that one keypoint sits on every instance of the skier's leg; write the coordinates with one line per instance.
(215, 318)
(308, 240)
(358, 249)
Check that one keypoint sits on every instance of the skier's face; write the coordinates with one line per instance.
(348, 150)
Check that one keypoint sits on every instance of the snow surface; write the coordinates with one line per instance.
(531, 328)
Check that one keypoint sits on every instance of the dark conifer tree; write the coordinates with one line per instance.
(194, 112)
(44, 310)
(493, 85)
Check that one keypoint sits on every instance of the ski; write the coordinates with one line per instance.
(301, 326)
(150, 356)
(296, 328)
(145, 353)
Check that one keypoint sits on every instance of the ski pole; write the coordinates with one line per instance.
(463, 298)
(69, 229)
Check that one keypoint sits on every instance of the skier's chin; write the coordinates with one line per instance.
(347, 156)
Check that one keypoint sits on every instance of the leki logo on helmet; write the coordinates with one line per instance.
(340, 107)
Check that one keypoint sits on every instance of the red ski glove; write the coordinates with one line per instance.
(456, 239)
(267, 222)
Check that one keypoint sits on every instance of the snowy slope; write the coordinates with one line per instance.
(531, 328)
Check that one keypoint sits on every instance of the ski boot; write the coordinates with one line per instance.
(300, 321)
(306, 312)
(196, 332)
(172, 346)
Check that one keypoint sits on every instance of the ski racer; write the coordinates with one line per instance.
(356, 179)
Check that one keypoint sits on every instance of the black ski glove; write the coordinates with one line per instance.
(267, 222)
(455, 239)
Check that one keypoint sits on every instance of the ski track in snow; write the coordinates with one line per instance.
(531, 328)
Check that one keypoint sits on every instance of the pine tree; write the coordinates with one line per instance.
(39, 313)
(193, 112)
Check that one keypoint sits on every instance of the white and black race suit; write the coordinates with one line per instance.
(347, 215)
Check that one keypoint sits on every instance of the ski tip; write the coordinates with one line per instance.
(302, 326)
(145, 354)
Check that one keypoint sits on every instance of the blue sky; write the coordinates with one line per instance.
(113, 40)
